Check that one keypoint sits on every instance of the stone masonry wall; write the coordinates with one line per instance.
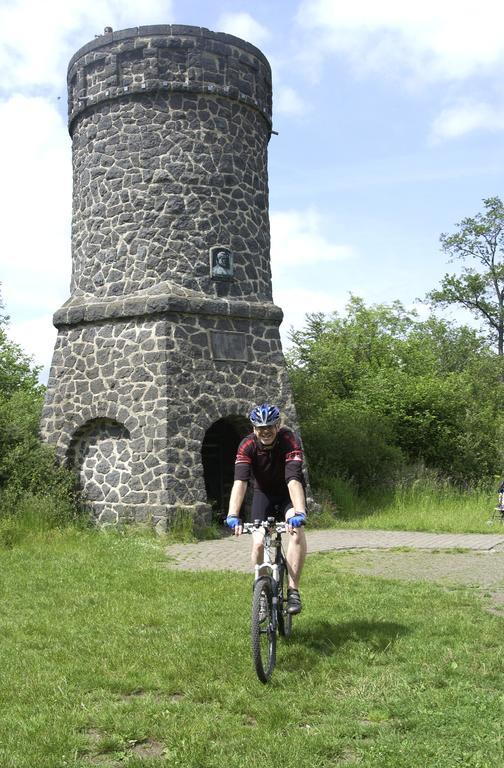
(154, 191)
(168, 162)
(158, 384)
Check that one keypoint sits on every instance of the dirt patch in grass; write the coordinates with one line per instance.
(156, 695)
(250, 721)
(143, 749)
(177, 696)
(148, 748)
(132, 695)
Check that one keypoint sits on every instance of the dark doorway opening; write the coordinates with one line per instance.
(218, 453)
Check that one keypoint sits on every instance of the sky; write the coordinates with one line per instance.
(390, 121)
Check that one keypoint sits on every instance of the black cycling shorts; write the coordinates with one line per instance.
(264, 505)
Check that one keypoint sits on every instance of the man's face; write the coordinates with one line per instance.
(266, 435)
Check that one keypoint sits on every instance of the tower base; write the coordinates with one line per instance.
(147, 398)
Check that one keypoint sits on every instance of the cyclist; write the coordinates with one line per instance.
(273, 456)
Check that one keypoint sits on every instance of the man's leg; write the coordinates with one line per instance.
(257, 554)
(296, 553)
(260, 510)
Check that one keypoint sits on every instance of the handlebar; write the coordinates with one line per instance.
(251, 527)
(268, 526)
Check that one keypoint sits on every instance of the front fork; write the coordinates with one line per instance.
(269, 571)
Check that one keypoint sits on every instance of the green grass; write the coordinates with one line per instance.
(422, 505)
(109, 658)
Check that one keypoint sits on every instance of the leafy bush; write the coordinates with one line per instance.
(353, 444)
(378, 389)
(32, 484)
(28, 468)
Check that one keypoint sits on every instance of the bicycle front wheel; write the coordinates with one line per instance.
(263, 631)
(284, 618)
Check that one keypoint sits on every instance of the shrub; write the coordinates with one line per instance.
(378, 388)
(352, 444)
(32, 484)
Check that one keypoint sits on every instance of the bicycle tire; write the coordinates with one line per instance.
(284, 618)
(263, 633)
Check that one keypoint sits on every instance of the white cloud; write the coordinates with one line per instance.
(243, 25)
(466, 117)
(296, 303)
(430, 39)
(288, 102)
(35, 200)
(296, 238)
(35, 194)
(37, 39)
(37, 339)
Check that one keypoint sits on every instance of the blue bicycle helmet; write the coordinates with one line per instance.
(264, 415)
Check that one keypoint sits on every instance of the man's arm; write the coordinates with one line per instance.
(297, 495)
(238, 492)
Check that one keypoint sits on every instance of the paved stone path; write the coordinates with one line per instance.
(233, 553)
(477, 562)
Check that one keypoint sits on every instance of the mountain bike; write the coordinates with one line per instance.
(269, 599)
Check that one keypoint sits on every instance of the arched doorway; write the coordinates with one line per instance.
(218, 453)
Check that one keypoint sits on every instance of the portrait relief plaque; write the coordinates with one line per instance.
(227, 345)
(221, 263)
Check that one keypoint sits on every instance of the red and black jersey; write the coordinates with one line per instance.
(271, 468)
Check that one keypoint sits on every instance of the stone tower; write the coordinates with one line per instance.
(170, 333)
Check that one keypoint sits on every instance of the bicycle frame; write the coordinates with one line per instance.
(269, 568)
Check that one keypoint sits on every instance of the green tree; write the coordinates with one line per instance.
(479, 243)
(378, 388)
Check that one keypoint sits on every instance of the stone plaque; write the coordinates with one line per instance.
(226, 345)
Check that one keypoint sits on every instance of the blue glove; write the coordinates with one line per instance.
(232, 522)
(297, 520)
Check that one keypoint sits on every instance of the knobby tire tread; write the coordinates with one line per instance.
(264, 658)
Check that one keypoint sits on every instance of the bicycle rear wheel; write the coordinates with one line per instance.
(284, 618)
(263, 632)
